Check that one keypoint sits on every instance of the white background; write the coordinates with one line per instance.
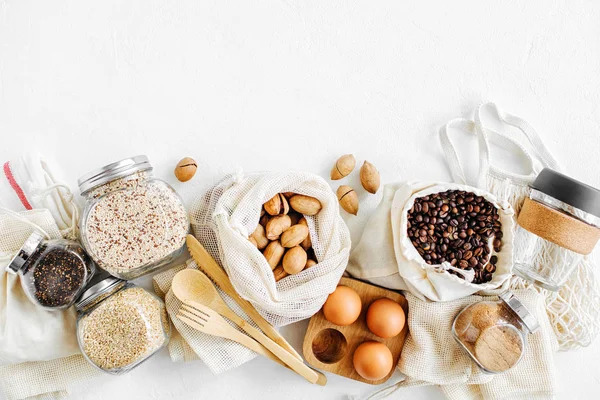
(268, 85)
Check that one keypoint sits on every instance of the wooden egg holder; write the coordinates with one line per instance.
(331, 347)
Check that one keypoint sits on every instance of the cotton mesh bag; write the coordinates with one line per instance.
(574, 310)
(223, 219)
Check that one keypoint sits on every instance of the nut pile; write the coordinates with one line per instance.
(457, 227)
(283, 236)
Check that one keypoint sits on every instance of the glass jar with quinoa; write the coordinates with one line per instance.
(120, 325)
(133, 223)
(53, 273)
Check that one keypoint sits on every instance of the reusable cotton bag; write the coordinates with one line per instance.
(224, 218)
(386, 256)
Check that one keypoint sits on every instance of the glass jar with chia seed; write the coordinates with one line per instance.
(132, 223)
(558, 224)
(53, 272)
(120, 325)
(494, 333)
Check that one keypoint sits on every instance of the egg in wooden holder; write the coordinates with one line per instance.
(352, 349)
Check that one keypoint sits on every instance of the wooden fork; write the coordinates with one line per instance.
(207, 320)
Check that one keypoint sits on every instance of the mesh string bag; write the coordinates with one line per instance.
(227, 214)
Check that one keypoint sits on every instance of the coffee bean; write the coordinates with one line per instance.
(494, 259)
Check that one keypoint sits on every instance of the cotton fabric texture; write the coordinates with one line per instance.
(223, 219)
(39, 356)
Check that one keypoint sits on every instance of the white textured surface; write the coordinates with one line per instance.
(291, 84)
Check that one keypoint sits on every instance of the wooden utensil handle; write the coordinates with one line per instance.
(214, 271)
(309, 374)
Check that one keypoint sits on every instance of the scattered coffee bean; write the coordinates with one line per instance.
(455, 226)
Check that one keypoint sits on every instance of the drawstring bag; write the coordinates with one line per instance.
(386, 256)
(27, 183)
(574, 310)
(224, 218)
(29, 332)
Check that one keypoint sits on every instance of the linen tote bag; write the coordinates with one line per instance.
(224, 218)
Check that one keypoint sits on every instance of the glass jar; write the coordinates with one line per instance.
(558, 224)
(132, 223)
(494, 333)
(120, 325)
(53, 272)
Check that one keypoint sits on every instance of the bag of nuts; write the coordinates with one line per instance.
(440, 241)
(280, 238)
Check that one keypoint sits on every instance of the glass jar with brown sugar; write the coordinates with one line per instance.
(494, 333)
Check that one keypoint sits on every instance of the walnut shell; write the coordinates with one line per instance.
(369, 177)
(273, 253)
(343, 166)
(305, 204)
(279, 273)
(277, 205)
(294, 235)
(277, 225)
(260, 237)
(294, 260)
(186, 169)
(348, 199)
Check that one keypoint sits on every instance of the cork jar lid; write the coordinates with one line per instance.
(568, 190)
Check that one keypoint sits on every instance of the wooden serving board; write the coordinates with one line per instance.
(330, 347)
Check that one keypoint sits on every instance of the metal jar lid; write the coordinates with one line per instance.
(514, 304)
(113, 171)
(103, 286)
(25, 252)
(568, 190)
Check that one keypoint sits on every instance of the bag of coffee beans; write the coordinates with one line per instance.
(440, 241)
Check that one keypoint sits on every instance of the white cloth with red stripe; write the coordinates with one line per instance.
(27, 183)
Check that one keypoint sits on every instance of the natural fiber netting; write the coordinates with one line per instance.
(574, 310)
(223, 219)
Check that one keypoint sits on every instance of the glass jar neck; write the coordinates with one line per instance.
(90, 301)
(126, 182)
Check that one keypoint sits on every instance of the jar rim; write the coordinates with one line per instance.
(105, 285)
(25, 252)
(521, 312)
(112, 171)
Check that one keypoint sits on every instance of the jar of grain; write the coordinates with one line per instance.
(133, 223)
(494, 333)
(120, 325)
(53, 273)
(558, 224)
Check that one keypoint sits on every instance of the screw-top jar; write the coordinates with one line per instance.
(120, 325)
(53, 272)
(494, 333)
(132, 223)
(558, 224)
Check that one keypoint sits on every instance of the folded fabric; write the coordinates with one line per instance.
(431, 356)
(188, 344)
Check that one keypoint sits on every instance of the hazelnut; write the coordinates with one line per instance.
(277, 205)
(273, 253)
(369, 177)
(305, 204)
(277, 225)
(294, 235)
(348, 199)
(343, 167)
(294, 260)
(186, 169)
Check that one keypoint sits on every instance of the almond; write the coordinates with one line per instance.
(348, 199)
(277, 225)
(294, 235)
(294, 260)
(305, 204)
(273, 253)
(343, 167)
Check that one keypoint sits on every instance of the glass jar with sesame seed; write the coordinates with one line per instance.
(120, 325)
(132, 223)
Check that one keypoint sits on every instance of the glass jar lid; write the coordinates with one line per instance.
(515, 305)
(106, 285)
(25, 252)
(113, 171)
(568, 190)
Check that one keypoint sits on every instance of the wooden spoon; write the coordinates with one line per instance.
(195, 289)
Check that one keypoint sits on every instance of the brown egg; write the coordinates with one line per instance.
(373, 360)
(385, 318)
(342, 306)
